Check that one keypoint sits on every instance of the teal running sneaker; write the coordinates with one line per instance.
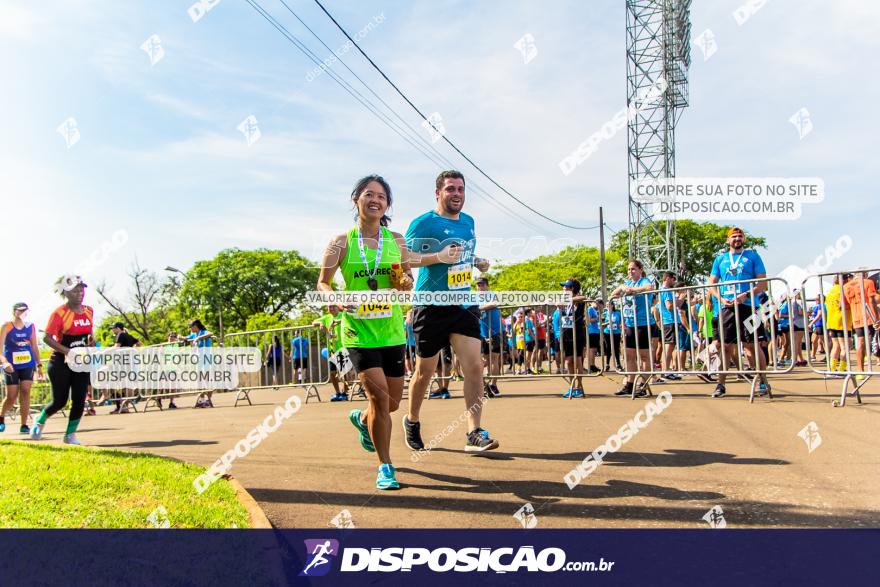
(567, 393)
(354, 417)
(2, 427)
(577, 393)
(37, 431)
(385, 479)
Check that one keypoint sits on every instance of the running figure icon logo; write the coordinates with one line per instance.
(249, 127)
(70, 131)
(715, 517)
(153, 48)
(318, 550)
(526, 516)
(802, 122)
(810, 435)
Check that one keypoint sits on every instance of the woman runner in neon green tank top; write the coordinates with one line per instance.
(372, 333)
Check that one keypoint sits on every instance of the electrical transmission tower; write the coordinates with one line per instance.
(657, 59)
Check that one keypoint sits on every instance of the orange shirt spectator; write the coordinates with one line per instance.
(861, 293)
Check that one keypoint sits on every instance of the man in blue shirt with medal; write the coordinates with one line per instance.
(737, 302)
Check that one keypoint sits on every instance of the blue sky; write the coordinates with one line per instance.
(160, 157)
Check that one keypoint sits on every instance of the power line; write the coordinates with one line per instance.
(415, 132)
(445, 138)
(366, 103)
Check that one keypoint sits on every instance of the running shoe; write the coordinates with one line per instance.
(339, 397)
(595, 369)
(2, 427)
(354, 417)
(91, 412)
(413, 434)
(762, 389)
(577, 393)
(172, 406)
(660, 380)
(442, 393)
(494, 389)
(24, 430)
(72, 439)
(672, 377)
(641, 391)
(37, 432)
(719, 391)
(625, 390)
(567, 393)
(385, 479)
(478, 441)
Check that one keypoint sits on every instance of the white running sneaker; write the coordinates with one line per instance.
(37, 432)
(72, 439)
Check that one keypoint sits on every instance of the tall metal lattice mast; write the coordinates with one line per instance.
(657, 59)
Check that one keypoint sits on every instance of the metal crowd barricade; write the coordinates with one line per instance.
(505, 341)
(41, 396)
(155, 394)
(855, 377)
(713, 355)
(307, 371)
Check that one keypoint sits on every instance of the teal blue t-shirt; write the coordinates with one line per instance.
(430, 233)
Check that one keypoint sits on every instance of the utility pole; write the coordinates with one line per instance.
(602, 256)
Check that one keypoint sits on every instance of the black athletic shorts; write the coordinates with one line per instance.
(301, 363)
(734, 328)
(530, 345)
(571, 347)
(19, 375)
(630, 333)
(387, 358)
(655, 331)
(835, 333)
(859, 331)
(669, 333)
(594, 340)
(542, 344)
(493, 343)
(432, 326)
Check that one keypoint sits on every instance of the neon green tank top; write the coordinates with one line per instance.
(371, 326)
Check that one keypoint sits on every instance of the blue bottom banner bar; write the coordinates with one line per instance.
(256, 558)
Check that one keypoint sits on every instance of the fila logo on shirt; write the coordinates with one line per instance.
(82, 322)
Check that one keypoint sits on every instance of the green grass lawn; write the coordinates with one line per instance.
(44, 486)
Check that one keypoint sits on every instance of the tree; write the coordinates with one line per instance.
(240, 284)
(144, 297)
(547, 271)
(698, 245)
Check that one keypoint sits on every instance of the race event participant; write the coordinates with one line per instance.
(441, 244)
(736, 304)
(670, 321)
(861, 297)
(70, 326)
(594, 335)
(374, 333)
(834, 321)
(491, 333)
(817, 330)
(611, 335)
(636, 292)
(21, 355)
(572, 323)
(331, 323)
(299, 357)
(541, 321)
(200, 337)
(122, 339)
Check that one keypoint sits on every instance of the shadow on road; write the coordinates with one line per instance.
(158, 443)
(740, 513)
(671, 457)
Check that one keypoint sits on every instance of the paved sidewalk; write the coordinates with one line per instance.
(698, 453)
